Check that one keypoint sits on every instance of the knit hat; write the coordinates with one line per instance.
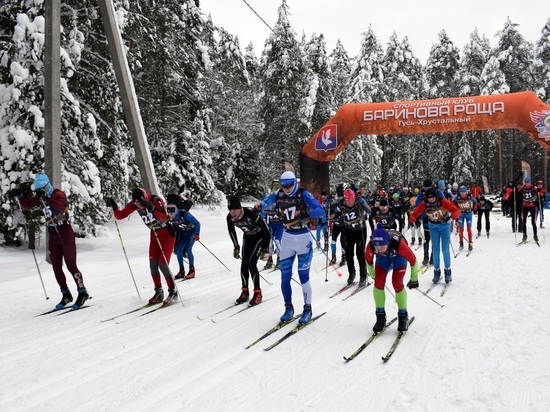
(527, 180)
(138, 194)
(380, 236)
(41, 181)
(383, 202)
(233, 202)
(431, 193)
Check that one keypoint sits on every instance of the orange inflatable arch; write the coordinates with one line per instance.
(523, 111)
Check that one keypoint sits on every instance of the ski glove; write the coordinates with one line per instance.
(413, 284)
(265, 253)
(40, 192)
(237, 252)
(370, 269)
(196, 238)
(110, 202)
(146, 205)
(15, 192)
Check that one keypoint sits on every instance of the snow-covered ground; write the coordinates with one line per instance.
(485, 350)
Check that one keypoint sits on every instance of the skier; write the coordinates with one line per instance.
(354, 213)
(386, 215)
(467, 205)
(62, 242)
(438, 211)
(428, 257)
(530, 199)
(152, 211)
(337, 221)
(483, 210)
(391, 250)
(187, 229)
(256, 239)
(295, 206)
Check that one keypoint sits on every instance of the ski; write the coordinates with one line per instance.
(296, 329)
(469, 251)
(341, 290)
(218, 312)
(54, 310)
(356, 291)
(396, 342)
(239, 311)
(129, 312)
(72, 310)
(424, 269)
(537, 242)
(430, 288)
(274, 329)
(164, 305)
(445, 286)
(523, 242)
(368, 341)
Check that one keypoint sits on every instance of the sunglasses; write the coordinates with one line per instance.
(285, 184)
(171, 210)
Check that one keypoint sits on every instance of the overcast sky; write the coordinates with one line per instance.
(420, 20)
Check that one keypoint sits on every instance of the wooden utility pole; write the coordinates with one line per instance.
(52, 92)
(129, 98)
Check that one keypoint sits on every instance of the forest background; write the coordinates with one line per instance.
(221, 119)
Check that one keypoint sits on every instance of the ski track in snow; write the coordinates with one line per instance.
(484, 351)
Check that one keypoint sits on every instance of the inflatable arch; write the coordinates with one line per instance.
(523, 111)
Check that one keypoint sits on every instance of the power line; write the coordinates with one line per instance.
(260, 17)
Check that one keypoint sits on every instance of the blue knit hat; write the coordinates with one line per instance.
(41, 181)
(380, 236)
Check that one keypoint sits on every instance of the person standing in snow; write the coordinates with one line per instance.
(295, 205)
(62, 241)
(542, 198)
(256, 239)
(187, 229)
(152, 211)
(530, 201)
(275, 225)
(391, 250)
(439, 212)
(467, 205)
(354, 214)
(484, 208)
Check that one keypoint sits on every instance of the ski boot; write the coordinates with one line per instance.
(402, 320)
(172, 297)
(66, 298)
(362, 280)
(306, 315)
(256, 298)
(333, 259)
(81, 298)
(244, 296)
(278, 264)
(157, 297)
(343, 260)
(351, 278)
(448, 277)
(437, 275)
(524, 239)
(426, 260)
(412, 241)
(470, 246)
(191, 273)
(180, 274)
(380, 320)
(289, 312)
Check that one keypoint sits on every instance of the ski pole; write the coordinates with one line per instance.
(214, 255)
(429, 297)
(326, 256)
(33, 254)
(126, 256)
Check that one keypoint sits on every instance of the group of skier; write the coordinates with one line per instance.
(284, 219)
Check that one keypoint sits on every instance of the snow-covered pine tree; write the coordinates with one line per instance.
(403, 80)
(22, 122)
(441, 74)
(365, 86)
(284, 80)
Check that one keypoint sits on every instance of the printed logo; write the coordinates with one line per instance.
(542, 123)
(327, 138)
